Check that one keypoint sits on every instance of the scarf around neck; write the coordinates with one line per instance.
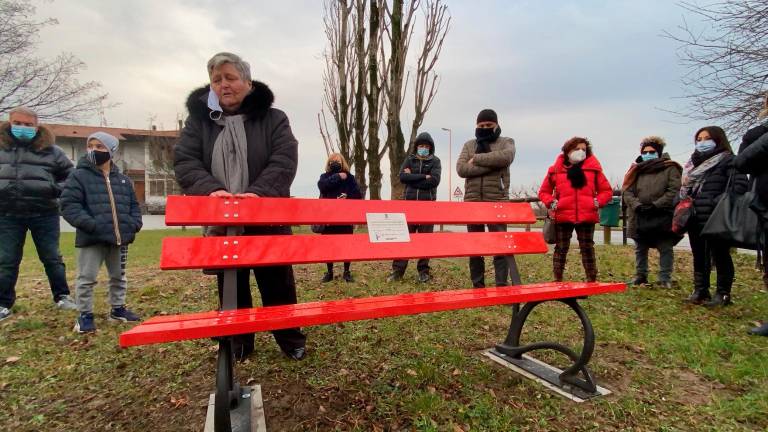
(693, 174)
(229, 162)
(648, 167)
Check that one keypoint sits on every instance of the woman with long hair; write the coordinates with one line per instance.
(706, 176)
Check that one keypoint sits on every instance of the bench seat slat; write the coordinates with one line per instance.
(195, 210)
(213, 324)
(248, 251)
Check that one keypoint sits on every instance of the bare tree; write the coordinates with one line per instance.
(338, 77)
(364, 80)
(727, 62)
(437, 21)
(359, 107)
(377, 71)
(399, 34)
(49, 87)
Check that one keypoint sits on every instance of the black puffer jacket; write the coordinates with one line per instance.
(753, 160)
(417, 185)
(272, 149)
(86, 205)
(31, 174)
(709, 194)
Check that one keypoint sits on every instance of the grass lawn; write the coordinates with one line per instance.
(670, 366)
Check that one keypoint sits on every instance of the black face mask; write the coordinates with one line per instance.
(485, 136)
(98, 157)
(335, 167)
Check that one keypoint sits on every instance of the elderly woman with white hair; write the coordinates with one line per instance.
(232, 124)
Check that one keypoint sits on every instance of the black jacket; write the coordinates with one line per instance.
(753, 160)
(272, 149)
(86, 205)
(332, 186)
(31, 174)
(417, 185)
(709, 194)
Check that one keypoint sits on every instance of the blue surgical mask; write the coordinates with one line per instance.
(705, 146)
(23, 133)
(649, 156)
(423, 152)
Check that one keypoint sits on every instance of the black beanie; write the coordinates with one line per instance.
(653, 141)
(487, 115)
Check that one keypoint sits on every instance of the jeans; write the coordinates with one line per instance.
(666, 259)
(45, 234)
(477, 264)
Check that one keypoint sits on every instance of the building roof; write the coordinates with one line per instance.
(77, 131)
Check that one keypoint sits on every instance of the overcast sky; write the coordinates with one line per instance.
(551, 69)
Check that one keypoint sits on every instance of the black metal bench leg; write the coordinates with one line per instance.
(511, 346)
(227, 392)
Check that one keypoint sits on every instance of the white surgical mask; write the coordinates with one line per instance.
(577, 156)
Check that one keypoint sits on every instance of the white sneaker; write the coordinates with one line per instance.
(66, 303)
(4, 313)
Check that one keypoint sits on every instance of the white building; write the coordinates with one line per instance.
(146, 156)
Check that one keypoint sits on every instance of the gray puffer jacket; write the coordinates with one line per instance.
(31, 174)
(487, 177)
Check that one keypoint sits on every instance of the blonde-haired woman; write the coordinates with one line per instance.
(338, 183)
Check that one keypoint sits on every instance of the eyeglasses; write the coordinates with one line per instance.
(648, 152)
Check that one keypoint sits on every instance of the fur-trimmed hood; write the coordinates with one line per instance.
(44, 138)
(255, 105)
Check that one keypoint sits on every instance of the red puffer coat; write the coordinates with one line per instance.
(575, 205)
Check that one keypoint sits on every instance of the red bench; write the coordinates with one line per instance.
(230, 252)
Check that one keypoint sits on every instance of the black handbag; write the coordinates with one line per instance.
(732, 221)
(549, 229)
(654, 223)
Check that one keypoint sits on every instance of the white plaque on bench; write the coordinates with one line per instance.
(387, 228)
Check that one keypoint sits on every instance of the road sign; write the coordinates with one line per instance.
(458, 195)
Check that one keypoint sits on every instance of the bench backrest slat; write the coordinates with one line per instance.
(193, 210)
(250, 251)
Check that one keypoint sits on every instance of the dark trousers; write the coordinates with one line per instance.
(338, 229)
(277, 287)
(704, 252)
(584, 234)
(45, 233)
(477, 264)
(399, 266)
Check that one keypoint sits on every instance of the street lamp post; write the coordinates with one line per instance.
(450, 167)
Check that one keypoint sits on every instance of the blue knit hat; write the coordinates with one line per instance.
(110, 142)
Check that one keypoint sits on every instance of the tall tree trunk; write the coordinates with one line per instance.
(395, 138)
(360, 153)
(374, 159)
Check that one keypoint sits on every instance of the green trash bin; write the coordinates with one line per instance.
(609, 215)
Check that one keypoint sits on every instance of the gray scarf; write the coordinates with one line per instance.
(229, 161)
